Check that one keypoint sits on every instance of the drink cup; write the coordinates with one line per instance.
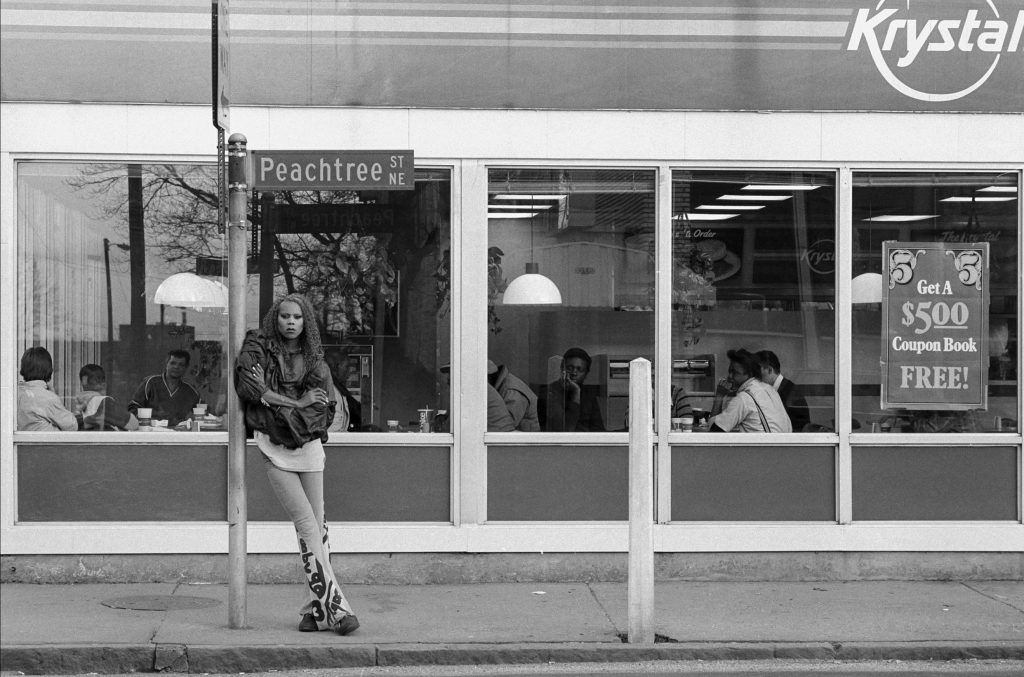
(392, 426)
(425, 419)
(677, 425)
(687, 424)
(145, 416)
(200, 409)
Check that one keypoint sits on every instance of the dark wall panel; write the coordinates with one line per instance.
(557, 483)
(934, 483)
(67, 483)
(745, 484)
(367, 484)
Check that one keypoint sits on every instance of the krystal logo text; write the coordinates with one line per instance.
(885, 30)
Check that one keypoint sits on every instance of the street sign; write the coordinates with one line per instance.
(333, 170)
(935, 325)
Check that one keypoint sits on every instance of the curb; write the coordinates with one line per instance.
(113, 659)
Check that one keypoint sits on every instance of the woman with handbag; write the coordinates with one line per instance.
(283, 382)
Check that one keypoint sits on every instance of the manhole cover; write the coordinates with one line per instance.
(160, 602)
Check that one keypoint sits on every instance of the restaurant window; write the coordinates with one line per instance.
(571, 266)
(122, 280)
(935, 306)
(377, 267)
(753, 278)
(120, 272)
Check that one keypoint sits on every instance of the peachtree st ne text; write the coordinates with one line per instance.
(921, 377)
(338, 171)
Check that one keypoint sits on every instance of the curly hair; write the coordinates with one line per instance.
(309, 339)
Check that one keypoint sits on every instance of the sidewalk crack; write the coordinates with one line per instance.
(991, 597)
(608, 616)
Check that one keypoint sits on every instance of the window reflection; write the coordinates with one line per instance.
(753, 291)
(95, 242)
(590, 233)
(376, 265)
(122, 269)
(951, 208)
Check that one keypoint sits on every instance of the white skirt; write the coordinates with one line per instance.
(307, 458)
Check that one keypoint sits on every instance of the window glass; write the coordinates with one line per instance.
(753, 293)
(570, 295)
(120, 278)
(931, 334)
(376, 264)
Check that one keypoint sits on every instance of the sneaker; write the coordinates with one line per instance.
(308, 624)
(347, 625)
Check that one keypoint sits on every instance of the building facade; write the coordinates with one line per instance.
(772, 176)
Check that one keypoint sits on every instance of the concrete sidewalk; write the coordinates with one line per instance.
(52, 629)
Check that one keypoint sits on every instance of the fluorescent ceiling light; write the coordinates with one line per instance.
(998, 189)
(781, 186)
(700, 216)
(977, 199)
(511, 215)
(520, 207)
(755, 198)
(746, 208)
(902, 217)
(529, 197)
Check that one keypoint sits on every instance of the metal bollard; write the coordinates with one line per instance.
(641, 505)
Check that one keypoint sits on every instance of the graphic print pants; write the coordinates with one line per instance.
(302, 496)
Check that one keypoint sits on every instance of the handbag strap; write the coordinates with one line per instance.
(764, 419)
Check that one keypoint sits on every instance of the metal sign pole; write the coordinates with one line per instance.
(238, 242)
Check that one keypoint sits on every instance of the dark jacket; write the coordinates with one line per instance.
(795, 404)
(290, 427)
(564, 415)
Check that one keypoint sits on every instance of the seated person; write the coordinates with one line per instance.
(348, 412)
(571, 407)
(792, 399)
(520, 400)
(745, 403)
(499, 420)
(39, 408)
(99, 411)
(167, 394)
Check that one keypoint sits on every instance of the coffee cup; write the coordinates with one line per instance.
(200, 409)
(392, 426)
(145, 416)
(686, 423)
(677, 425)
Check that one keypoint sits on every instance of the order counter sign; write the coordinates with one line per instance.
(935, 325)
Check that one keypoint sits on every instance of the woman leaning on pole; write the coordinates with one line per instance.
(284, 384)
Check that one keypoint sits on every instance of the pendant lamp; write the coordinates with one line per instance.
(188, 290)
(532, 288)
(866, 288)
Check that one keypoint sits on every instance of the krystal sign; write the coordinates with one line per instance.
(896, 29)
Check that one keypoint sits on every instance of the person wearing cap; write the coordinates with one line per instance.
(745, 403)
(571, 407)
(520, 401)
(792, 399)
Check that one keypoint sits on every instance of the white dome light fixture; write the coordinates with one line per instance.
(532, 289)
(866, 288)
(188, 290)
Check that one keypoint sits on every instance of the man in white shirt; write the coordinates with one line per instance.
(745, 403)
